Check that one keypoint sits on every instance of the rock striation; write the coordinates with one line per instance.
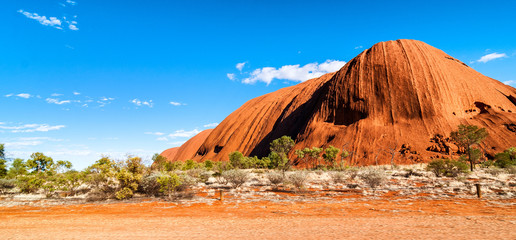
(400, 96)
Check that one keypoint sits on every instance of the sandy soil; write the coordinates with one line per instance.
(382, 218)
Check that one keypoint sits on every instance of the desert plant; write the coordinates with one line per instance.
(7, 184)
(352, 172)
(150, 185)
(447, 167)
(169, 183)
(18, 167)
(506, 158)
(330, 155)
(187, 182)
(38, 162)
(373, 177)
(494, 171)
(236, 177)
(238, 160)
(190, 164)
(298, 179)
(338, 177)
(30, 183)
(276, 178)
(511, 169)
(208, 164)
(467, 136)
(70, 181)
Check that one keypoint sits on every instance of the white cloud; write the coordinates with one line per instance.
(32, 128)
(21, 144)
(73, 3)
(184, 134)
(177, 103)
(43, 20)
(294, 72)
(358, 47)
(240, 66)
(106, 99)
(155, 133)
(210, 125)
(56, 94)
(491, 56)
(510, 82)
(23, 95)
(9, 95)
(139, 103)
(162, 139)
(231, 76)
(56, 101)
(76, 93)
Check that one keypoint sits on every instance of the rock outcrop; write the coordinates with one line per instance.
(189, 149)
(397, 93)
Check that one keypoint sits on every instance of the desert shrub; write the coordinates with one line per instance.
(511, 169)
(487, 164)
(30, 183)
(150, 185)
(238, 160)
(447, 167)
(298, 179)
(124, 193)
(190, 164)
(7, 184)
(494, 171)
(338, 177)
(236, 177)
(101, 175)
(169, 183)
(70, 181)
(220, 167)
(352, 172)
(373, 177)
(506, 158)
(208, 164)
(18, 167)
(187, 182)
(276, 178)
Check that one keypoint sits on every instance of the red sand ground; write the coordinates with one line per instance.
(374, 219)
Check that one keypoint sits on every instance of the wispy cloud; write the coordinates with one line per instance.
(56, 94)
(140, 103)
(359, 47)
(491, 56)
(177, 103)
(73, 3)
(155, 133)
(510, 82)
(210, 125)
(184, 134)
(295, 73)
(76, 93)
(43, 20)
(21, 95)
(240, 66)
(57, 101)
(162, 139)
(231, 76)
(27, 128)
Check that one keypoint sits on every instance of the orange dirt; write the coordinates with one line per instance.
(404, 94)
(383, 218)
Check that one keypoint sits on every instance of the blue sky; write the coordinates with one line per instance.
(84, 78)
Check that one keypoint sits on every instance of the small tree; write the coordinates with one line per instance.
(282, 146)
(3, 166)
(238, 160)
(330, 155)
(467, 136)
(158, 162)
(168, 183)
(38, 162)
(18, 167)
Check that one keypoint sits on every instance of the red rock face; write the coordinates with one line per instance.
(189, 149)
(404, 95)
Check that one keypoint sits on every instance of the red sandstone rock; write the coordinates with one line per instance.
(395, 93)
(188, 149)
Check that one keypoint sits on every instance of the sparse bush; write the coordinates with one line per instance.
(190, 164)
(506, 158)
(70, 181)
(7, 184)
(208, 164)
(150, 185)
(298, 179)
(236, 177)
(169, 183)
(373, 177)
(187, 182)
(494, 171)
(124, 193)
(447, 167)
(511, 170)
(276, 178)
(352, 172)
(338, 177)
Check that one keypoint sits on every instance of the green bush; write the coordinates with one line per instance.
(30, 183)
(447, 167)
(124, 193)
(238, 160)
(169, 183)
(150, 185)
(506, 158)
(208, 164)
(190, 164)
